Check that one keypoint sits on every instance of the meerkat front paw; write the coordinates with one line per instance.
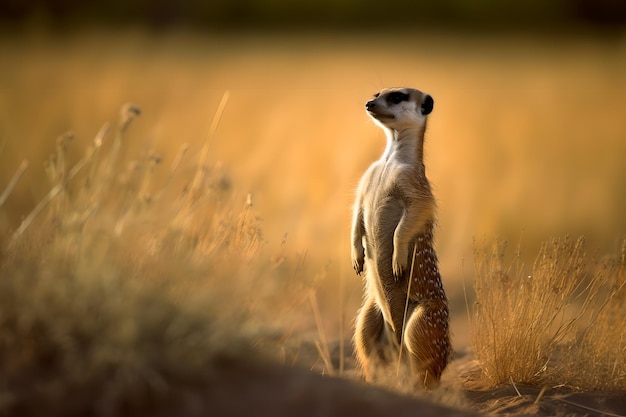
(358, 259)
(399, 261)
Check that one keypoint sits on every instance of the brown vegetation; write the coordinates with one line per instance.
(560, 324)
(120, 296)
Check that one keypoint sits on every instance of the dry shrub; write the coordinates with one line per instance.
(121, 294)
(560, 324)
(598, 360)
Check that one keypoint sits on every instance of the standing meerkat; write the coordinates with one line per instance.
(392, 240)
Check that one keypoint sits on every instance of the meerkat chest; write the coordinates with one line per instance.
(390, 181)
(385, 196)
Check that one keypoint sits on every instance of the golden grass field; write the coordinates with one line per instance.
(216, 222)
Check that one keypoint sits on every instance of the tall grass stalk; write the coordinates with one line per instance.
(13, 182)
(322, 343)
(62, 181)
(201, 172)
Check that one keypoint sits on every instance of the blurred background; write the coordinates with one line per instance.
(321, 14)
(527, 139)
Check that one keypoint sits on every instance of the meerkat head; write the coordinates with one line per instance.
(400, 108)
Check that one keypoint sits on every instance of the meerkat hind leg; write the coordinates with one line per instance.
(427, 345)
(370, 338)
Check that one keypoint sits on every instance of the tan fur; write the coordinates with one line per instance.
(393, 219)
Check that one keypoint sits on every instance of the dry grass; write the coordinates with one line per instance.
(120, 296)
(562, 323)
(598, 360)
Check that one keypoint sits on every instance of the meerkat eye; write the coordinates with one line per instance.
(397, 97)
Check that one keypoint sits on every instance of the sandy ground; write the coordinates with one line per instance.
(458, 394)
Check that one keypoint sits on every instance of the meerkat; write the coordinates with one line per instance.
(392, 241)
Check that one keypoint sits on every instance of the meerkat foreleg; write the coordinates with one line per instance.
(358, 231)
(413, 221)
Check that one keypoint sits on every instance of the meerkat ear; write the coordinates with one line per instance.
(427, 104)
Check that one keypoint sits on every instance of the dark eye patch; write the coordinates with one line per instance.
(397, 97)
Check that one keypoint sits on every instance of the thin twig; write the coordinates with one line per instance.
(179, 157)
(16, 177)
(323, 349)
(49, 197)
(406, 308)
(514, 386)
(323, 352)
(595, 410)
(128, 113)
(540, 396)
(467, 308)
(97, 143)
(342, 321)
(205, 148)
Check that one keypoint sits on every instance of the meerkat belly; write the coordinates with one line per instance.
(384, 217)
(381, 218)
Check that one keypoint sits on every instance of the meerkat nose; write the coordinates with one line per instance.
(370, 105)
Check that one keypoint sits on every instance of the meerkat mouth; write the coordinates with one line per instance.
(381, 116)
